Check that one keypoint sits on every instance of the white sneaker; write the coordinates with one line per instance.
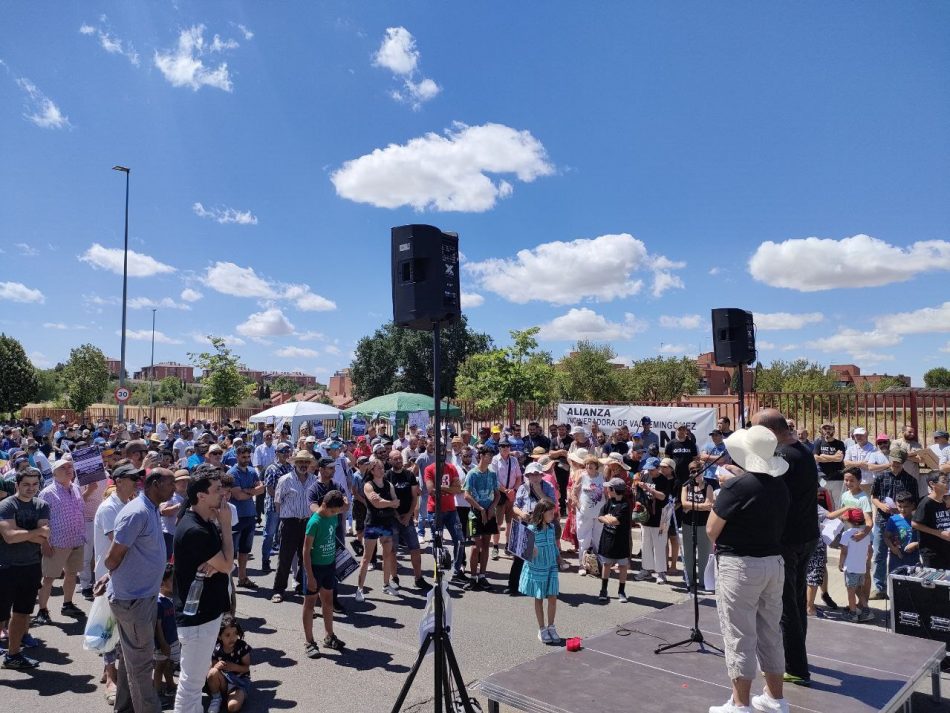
(729, 707)
(215, 705)
(543, 636)
(394, 585)
(391, 590)
(553, 636)
(360, 597)
(765, 702)
(660, 578)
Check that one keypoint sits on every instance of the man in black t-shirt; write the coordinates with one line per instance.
(829, 454)
(201, 552)
(932, 521)
(406, 486)
(681, 449)
(562, 470)
(746, 526)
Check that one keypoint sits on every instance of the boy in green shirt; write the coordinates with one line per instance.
(320, 570)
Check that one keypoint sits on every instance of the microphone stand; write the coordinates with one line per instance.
(695, 634)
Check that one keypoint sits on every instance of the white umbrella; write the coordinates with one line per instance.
(296, 412)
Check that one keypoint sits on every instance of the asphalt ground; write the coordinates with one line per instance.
(490, 632)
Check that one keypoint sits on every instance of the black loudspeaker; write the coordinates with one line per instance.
(733, 336)
(425, 264)
(920, 602)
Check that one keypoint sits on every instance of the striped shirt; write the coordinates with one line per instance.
(291, 495)
(67, 520)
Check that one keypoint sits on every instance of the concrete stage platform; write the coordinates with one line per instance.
(855, 669)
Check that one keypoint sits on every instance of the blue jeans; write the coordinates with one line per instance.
(451, 521)
(270, 529)
(424, 517)
(879, 558)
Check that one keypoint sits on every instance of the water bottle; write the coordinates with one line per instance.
(194, 595)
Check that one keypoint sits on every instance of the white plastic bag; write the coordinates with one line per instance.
(102, 631)
(427, 623)
(709, 575)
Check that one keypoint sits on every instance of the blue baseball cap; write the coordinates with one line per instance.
(650, 464)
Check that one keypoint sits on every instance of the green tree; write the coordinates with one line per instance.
(661, 379)
(588, 374)
(18, 383)
(169, 390)
(398, 359)
(519, 373)
(49, 384)
(937, 378)
(222, 384)
(285, 384)
(86, 377)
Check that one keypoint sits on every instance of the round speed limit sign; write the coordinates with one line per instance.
(122, 394)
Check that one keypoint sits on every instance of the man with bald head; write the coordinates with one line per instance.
(798, 539)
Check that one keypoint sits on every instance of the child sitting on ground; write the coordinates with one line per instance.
(853, 561)
(230, 674)
(900, 537)
(167, 646)
(614, 546)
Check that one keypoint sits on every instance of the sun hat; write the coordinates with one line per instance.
(579, 456)
(546, 463)
(616, 459)
(56, 465)
(304, 455)
(753, 450)
(669, 463)
(182, 475)
(533, 468)
(577, 430)
(538, 452)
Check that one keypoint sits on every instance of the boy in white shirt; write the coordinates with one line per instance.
(853, 561)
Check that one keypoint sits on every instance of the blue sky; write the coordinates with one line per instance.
(614, 171)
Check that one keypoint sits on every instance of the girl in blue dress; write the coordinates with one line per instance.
(539, 578)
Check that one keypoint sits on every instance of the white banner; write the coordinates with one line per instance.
(610, 417)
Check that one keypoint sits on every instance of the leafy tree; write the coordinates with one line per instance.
(588, 374)
(18, 384)
(800, 375)
(937, 378)
(169, 390)
(49, 384)
(660, 379)
(222, 384)
(885, 383)
(86, 377)
(519, 373)
(285, 384)
(398, 359)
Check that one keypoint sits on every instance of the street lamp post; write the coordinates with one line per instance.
(151, 369)
(125, 285)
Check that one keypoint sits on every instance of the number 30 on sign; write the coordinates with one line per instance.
(122, 394)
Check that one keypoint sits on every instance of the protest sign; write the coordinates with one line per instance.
(610, 417)
(359, 426)
(345, 564)
(419, 419)
(520, 541)
(88, 464)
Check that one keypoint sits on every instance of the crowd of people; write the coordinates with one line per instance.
(169, 534)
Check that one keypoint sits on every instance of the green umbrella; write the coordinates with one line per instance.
(402, 404)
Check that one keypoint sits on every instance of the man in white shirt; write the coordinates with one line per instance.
(181, 444)
(264, 453)
(162, 428)
(508, 469)
(856, 456)
(941, 448)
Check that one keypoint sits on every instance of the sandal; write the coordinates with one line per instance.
(311, 650)
(277, 598)
(247, 584)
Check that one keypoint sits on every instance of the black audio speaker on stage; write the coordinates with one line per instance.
(425, 265)
(920, 602)
(733, 336)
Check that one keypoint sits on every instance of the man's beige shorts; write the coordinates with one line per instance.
(65, 559)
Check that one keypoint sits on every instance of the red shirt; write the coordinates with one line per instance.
(450, 476)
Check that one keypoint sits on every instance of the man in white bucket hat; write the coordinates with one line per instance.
(746, 526)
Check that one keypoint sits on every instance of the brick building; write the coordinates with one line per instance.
(716, 380)
(850, 375)
(167, 368)
(113, 365)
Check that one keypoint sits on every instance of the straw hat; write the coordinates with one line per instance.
(615, 459)
(753, 450)
(579, 456)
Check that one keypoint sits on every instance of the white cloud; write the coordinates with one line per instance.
(164, 303)
(307, 300)
(569, 272)
(18, 292)
(269, 323)
(40, 109)
(584, 323)
(762, 344)
(219, 45)
(230, 279)
(674, 348)
(110, 43)
(244, 31)
(310, 336)
(190, 295)
(183, 66)
(331, 349)
(225, 215)
(444, 173)
(96, 300)
(715, 271)
(945, 347)
(471, 299)
(230, 339)
(140, 265)
(854, 342)
(294, 352)
(55, 325)
(868, 357)
(145, 335)
(687, 321)
(813, 264)
(766, 321)
(919, 321)
(40, 360)
(26, 250)
(399, 54)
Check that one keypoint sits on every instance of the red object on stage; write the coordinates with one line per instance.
(574, 644)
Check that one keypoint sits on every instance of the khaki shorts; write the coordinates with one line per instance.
(65, 559)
